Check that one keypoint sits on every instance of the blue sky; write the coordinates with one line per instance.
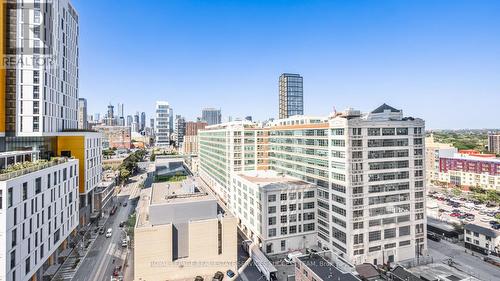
(438, 60)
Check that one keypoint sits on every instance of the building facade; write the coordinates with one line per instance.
(291, 95)
(369, 169)
(179, 130)
(164, 123)
(466, 171)
(82, 114)
(481, 239)
(119, 137)
(211, 115)
(276, 211)
(38, 212)
(433, 152)
(192, 128)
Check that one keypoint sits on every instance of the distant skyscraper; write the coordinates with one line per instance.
(97, 117)
(180, 129)
(82, 114)
(111, 112)
(130, 120)
(164, 123)
(120, 110)
(249, 118)
(494, 143)
(143, 121)
(211, 115)
(120, 118)
(291, 95)
(136, 126)
(152, 123)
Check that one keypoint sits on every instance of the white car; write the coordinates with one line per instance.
(109, 232)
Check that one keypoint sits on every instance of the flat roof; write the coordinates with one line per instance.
(482, 230)
(177, 192)
(270, 177)
(324, 269)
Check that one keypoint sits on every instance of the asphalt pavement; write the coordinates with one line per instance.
(472, 265)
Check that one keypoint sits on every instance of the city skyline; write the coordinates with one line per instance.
(350, 54)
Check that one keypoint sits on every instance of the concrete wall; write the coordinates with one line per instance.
(153, 251)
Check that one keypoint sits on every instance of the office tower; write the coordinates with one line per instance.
(136, 124)
(130, 120)
(211, 115)
(143, 121)
(121, 110)
(110, 119)
(164, 122)
(494, 143)
(152, 123)
(97, 117)
(180, 129)
(368, 169)
(291, 97)
(82, 114)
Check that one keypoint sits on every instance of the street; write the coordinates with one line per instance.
(107, 253)
(465, 262)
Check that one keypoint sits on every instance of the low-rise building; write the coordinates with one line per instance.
(119, 137)
(323, 266)
(183, 232)
(277, 211)
(38, 212)
(433, 152)
(481, 239)
(467, 171)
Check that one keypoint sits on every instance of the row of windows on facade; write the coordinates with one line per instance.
(293, 229)
(291, 196)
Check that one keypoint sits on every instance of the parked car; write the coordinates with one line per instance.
(125, 204)
(454, 215)
(122, 224)
(433, 237)
(109, 233)
(230, 273)
(198, 278)
(101, 230)
(218, 276)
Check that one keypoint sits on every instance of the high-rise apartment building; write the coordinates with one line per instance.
(130, 120)
(38, 212)
(368, 168)
(291, 95)
(192, 128)
(136, 125)
(82, 114)
(180, 129)
(211, 115)
(494, 143)
(164, 123)
(39, 92)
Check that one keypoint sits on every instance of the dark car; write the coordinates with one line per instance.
(496, 226)
(433, 237)
(218, 276)
(122, 224)
(102, 230)
(125, 204)
(230, 273)
(198, 278)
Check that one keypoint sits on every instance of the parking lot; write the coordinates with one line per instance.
(459, 210)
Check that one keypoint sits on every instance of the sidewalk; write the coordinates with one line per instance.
(68, 269)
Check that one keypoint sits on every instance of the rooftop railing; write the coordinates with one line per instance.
(25, 168)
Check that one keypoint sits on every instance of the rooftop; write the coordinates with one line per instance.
(324, 267)
(384, 107)
(175, 192)
(269, 179)
(482, 230)
(28, 167)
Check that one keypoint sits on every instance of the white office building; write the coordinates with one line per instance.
(164, 123)
(368, 169)
(38, 211)
(276, 211)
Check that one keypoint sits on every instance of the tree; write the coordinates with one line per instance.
(124, 174)
(456, 192)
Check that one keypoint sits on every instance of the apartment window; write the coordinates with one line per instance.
(38, 185)
(10, 197)
(25, 191)
(271, 209)
(14, 237)
(283, 219)
(308, 227)
(283, 208)
(292, 207)
(219, 237)
(356, 131)
(404, 230)
(389, 233)
(271, 198)
(271, 232)
(374, 235)
(284, 230)
(283, 245)
(1, 199)
(283, 197)
(12, 259)
(358, 239)
(374, 131)
(309, 194)
(27, 267)
(293, 229)
(272, 221)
